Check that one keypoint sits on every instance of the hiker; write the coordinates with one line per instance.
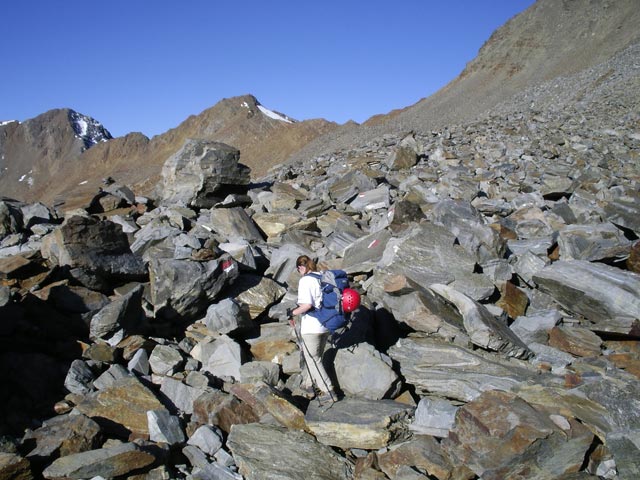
(314, 335)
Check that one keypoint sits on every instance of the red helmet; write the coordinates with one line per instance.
(350, 300)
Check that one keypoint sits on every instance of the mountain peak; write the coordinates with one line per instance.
(87, 129)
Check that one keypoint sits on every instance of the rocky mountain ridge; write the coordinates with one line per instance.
(68, 174)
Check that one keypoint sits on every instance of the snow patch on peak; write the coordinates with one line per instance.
(274, 115)
(27, 177)
(7, 122)
(87, 129)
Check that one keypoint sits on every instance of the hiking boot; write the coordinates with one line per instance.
(306, 392)
(328, 397)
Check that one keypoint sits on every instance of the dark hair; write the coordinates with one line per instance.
(307, 262)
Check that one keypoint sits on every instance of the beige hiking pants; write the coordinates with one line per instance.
(313, 349)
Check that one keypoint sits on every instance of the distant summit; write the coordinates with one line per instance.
(32, 153)
(87, 129)
(76, 152)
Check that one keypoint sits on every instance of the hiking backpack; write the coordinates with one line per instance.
(334, 284)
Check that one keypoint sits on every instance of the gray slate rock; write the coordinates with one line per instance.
(227, 316)
(79, 378)
(427, 254)
(483, 328)
(124, 313)
(362, 371)
(164, 427)
(607, 296)
(197, 173)
(184, 288)
(360, 423)
(592, 242)
(261, 452)
(206, 438)
(105, 462)
(438, 368)
(165, 360)
(99, 247)
(434, 416)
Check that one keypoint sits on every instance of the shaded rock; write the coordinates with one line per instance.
(164, 427)
(360, 423)
(258, 451)
(70, 298)
(65, 435)
(454, 372)
(183, 289)
(228, 316)
(265, 399)
(124, 312)
(418, 307)
(197, 174)
(124, 404)
(421, 451)
(633, 262)
(105, 462)
(98, 247)
(607, 296)
(13, 466)
(580, 342)
(10, 217)
(364, 372)
(624, 211)
(222, 410)
(499, 436)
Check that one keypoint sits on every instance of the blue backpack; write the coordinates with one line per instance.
(330, 314)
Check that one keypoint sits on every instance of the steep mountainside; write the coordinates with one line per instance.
(552, 38)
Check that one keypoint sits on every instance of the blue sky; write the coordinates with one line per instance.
(146, 65)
